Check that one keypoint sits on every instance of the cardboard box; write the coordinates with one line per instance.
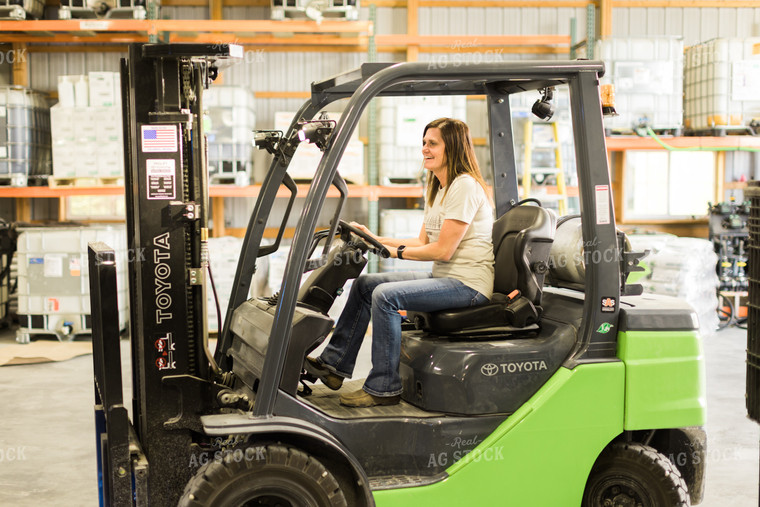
(105, 89)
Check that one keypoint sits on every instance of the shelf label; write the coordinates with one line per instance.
(744, 78)
(161, 177)
(94, 25)
(602, 196)
(53, 266)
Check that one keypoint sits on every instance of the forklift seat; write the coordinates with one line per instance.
(522, 239)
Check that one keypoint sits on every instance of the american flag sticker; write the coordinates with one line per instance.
(159, 139)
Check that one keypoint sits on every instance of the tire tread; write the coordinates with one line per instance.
(214, 474)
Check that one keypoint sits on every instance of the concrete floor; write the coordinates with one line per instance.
(47, 443)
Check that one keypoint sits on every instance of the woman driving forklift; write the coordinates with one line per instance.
(456, 236)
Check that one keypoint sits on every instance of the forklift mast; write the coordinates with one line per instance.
(167, 229)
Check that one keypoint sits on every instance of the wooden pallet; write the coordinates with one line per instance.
(240, 178)
(18, 180)
(85, 181)
(723, 130)
(670, 131)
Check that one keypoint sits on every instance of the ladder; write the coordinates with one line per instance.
(529, 170)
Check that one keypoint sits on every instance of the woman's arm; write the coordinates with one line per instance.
(393, 243)
(452, 232)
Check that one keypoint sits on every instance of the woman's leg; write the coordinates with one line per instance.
(340, 354)
(425, 295)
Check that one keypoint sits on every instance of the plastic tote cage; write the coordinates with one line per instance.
(111, 9)
(21, 9)
(25, 142)
(315, 9)
(53, 280)
(753, 328)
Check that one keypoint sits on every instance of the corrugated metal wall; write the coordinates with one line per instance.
(44, 68)
(693, 24)
(274, 71)
(500, 21)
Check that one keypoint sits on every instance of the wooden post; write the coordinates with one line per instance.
(20, 66)
(617, 168)
(720, 175)
(605, 18)
(217, 215)
(23, 209)
(412, 29)
(215, 9)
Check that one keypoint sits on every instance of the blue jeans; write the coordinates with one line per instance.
(381, 296)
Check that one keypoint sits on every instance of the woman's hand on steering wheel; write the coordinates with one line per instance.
(364, 229)
(366, 236)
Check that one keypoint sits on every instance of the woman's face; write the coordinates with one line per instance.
(433, 150)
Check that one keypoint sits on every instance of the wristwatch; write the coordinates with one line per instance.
(400, 251)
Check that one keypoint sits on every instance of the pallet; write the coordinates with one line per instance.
(240, 178)
(25, 336)
(85, 182)
(22, 180)
(642, 132)
(401, 181)
(724, 130)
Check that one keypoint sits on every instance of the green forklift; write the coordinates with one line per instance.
(580, 391)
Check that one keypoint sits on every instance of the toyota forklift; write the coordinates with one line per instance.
(569, 388)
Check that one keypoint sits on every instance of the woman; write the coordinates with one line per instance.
(456, 236)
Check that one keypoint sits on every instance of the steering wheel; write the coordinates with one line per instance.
(374, 244)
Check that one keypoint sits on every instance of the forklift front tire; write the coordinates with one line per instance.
(635, 474)
(271, 475)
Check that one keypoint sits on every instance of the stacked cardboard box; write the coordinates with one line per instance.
(87, 128)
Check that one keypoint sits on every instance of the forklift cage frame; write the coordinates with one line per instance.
(497, 81)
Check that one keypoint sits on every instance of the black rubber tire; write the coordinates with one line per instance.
(635, 474)
(275, 475)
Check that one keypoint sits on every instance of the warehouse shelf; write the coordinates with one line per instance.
(617, 146)
(217, 193)
(260, 32)
(369, 192)
(624, 143)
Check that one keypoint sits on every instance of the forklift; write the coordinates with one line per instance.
(576, 390)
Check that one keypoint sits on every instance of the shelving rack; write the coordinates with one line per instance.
(96, 35)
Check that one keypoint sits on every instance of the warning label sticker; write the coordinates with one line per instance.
(161, 177)
(602, 202)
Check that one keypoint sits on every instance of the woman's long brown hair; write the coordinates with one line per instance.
(460, 155)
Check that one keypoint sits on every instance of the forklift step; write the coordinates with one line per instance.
(328, 401)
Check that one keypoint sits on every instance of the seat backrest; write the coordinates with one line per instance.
(522, 239)
(566, 260)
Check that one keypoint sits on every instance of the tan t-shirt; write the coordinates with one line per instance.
(472, 262)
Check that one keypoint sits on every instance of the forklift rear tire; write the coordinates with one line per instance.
(275, 475)
(635, 474)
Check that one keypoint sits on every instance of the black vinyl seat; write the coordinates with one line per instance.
(522, 239)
